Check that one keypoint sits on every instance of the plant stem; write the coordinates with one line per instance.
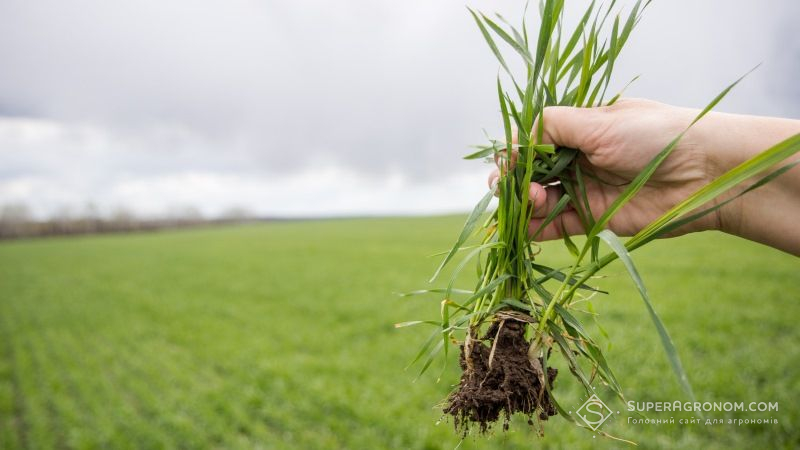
(557, 297)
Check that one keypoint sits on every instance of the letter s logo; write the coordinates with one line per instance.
(594, 412)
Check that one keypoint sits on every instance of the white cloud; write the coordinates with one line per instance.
(312, 193)
(65, 168)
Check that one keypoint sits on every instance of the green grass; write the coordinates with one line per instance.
(281, 336)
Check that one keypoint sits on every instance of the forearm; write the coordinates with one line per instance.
(770, 214)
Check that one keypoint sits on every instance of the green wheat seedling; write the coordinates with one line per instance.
(520, 313)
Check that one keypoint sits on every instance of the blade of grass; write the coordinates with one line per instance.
(466, 231)
(522, 51)
(504, 112)
(488, 38)
(434, 291)
(621, 91)
(666, 341)
(562, 203)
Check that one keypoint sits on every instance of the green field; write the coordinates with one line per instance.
(281, 336)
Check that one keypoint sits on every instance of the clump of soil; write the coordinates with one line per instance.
(513, 383)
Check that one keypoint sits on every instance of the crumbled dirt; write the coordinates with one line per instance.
(512, 385)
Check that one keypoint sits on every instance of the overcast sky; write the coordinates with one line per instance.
(308, 108)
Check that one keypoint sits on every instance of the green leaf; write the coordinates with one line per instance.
(557, 334)
(545, 31)
(562, 203)
(513, 43)
(720, 96)
(586, 77)
(504, 111)
(666, 341)
(593, 313)
(482, 153)
(415, 322)
(573, 40)
(573, 249)
(559, 275)
(517, 36)
(523, 141)
(490, 41)
(430, 357)
(565, 157)
(434, 291)
(425, 346)
(587, 208)
(469, 225)
(445, 308)
(622, 91)
(466, 259)
(487, 289)
(613, 52)
(571, 323)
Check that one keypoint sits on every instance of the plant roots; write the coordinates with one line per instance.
(499, 379)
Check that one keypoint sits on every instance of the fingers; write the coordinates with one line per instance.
(543, 202)
(500, 157)
(538, 195)
(493, 177)
(548, 199)
(566, 126)
(500, 160)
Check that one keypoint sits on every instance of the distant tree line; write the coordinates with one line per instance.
(16, 221)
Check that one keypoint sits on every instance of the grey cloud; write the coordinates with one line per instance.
(266, 88)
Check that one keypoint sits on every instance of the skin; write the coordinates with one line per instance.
(617, 141)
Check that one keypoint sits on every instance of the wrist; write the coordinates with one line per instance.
(730, 216)
(731, 139)
(768, 214)
(721, 141)
(727, 141)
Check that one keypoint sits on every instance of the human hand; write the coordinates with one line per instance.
(617, 142)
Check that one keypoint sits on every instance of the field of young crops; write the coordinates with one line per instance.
(281, 336)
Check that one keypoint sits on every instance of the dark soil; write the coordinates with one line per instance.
(512, 385)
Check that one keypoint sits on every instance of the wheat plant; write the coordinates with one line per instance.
(521, 312)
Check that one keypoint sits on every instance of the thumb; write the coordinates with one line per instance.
(567, 126)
